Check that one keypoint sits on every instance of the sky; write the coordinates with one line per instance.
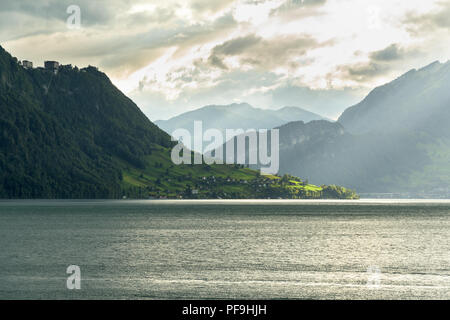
(174, 56)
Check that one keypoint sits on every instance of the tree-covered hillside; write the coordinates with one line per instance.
(61, 135)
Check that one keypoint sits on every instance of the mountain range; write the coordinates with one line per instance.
(73, 134)
(70, 133)
(236, 116)
(396, 140)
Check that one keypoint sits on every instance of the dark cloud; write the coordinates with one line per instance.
(232, 47)
(361, 72)
(298, 9)
(93, 12)
(161, 16)
(393, 52)
(366, 70)
(236, 46)
(425, 23)
(210, 6)
(380, 63)
(293, 4)
(217, 62)
(253, 50)
(24, 18)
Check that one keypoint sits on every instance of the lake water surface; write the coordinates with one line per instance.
(392, 249)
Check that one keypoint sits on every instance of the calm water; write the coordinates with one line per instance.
(226, 249)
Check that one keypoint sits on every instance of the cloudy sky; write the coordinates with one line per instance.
(174, 56)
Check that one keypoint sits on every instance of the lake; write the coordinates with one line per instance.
(269, 249)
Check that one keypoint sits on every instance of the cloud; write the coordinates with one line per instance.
(258, 52)
(378, 63)
(173, 55)
(394, 53)
(391, 53)
(232, 47)
(131, 41)
(236, 46)
(217, 62)
(437, 18)
(210, 6)
(361, 72)
(305, 6)
(99, 12)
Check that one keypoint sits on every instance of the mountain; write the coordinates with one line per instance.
(370, 163)
(70, 133)
(66, 134)
(236, 116)
(397, 140)
(419, 99)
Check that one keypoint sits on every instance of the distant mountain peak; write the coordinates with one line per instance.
(431, 66)
(289, 108)
(237, 115)
(228, 106)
